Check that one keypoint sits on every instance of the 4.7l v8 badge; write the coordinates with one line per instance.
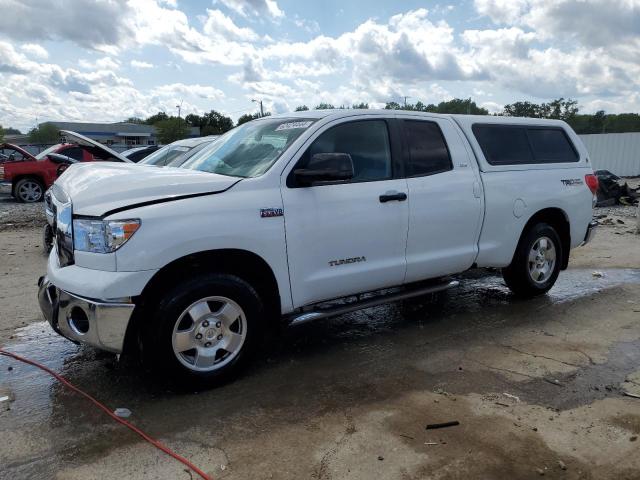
(271, 212)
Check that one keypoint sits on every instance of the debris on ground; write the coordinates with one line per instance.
(553, 381)
(512, 397)
(614, 190)
(122, 412)
(433, 426)
(562, 465)
(597, 274)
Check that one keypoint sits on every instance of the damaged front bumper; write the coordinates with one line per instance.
(102, 324)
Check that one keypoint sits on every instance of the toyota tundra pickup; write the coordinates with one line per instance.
(298, 217)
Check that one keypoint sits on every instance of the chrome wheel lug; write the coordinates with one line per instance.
(199, 336)
(205, 324)
(218, 324)
(219, 337)
(208, 344)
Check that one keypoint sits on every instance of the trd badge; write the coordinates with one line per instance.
(271, 212)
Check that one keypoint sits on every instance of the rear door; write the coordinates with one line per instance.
(347, 237)
(445, 198)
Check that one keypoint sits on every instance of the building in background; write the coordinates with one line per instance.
(129, 134)
(617, 152)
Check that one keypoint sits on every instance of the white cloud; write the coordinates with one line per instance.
(140, 64)
(35, 50)
(218, 24)
(254, 7)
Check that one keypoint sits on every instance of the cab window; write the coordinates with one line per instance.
(428, 152)
(366, 141)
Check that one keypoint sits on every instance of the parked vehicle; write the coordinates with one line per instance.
(138, 153)
(293, 218)
(28, 177)
(176, 153)
(13, 153)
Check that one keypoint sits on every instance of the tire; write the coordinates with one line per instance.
(536, 263)
(185, 337)
(29, 190)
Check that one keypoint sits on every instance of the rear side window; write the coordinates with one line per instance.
(521, 145)
(551, 145)
(503, 145)
(428, 152)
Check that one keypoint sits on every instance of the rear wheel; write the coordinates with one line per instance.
(29, 190)
(536, 263)
(204, 330)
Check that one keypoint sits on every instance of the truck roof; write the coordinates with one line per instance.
(460, 119)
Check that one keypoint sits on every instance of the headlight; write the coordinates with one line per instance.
(102, 236)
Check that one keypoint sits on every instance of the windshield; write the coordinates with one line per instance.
(178, 161)
(250, 149)
(47, 151)
(165, 155)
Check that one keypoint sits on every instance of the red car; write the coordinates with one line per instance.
(27, 177)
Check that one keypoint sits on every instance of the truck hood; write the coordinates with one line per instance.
(98, 188)
(87, 142)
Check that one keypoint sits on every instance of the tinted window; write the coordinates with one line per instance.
(504, 145)
(551, 145)
(366, 141)
(73, 152)
(428, 153)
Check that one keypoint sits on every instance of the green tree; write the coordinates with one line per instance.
(302, 108)
(172, 129)
(324, 106)
(136, 120)
(457, 105)
(522, 109)
(361, 106)
(1, 134)
(158, 117)
(44, 133)
(212, 123)
(12, 131)
(247, 117)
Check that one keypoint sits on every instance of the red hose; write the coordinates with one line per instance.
(130, 426)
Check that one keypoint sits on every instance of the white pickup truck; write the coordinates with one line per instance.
(296, 217)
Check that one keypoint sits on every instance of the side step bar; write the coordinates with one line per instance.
(318, 313)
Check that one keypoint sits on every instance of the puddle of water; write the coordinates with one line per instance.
(367, 340)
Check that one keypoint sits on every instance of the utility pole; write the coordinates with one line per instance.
(469, 106)
(261, 109)
(405, 101)
(179, 107)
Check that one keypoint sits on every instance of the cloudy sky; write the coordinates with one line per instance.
(90, 60)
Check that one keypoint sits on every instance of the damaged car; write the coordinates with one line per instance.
(26, 177)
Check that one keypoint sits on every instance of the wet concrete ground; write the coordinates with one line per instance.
(537, 386)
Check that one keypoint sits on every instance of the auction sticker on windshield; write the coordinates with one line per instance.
(292, 125)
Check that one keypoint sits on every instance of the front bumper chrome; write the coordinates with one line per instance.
(6, 188)
(99, 323)
(591, 230)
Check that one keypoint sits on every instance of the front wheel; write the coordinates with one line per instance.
(204, 330)
(29, 190)
(536, 264)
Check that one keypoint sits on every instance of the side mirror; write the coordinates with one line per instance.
(325, 168)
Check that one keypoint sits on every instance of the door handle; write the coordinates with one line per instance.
(395, 196)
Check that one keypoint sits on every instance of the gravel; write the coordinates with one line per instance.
(14, 215)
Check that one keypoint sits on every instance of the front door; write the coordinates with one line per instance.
(347, 237)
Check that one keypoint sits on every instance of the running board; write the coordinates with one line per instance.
(317, 314)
